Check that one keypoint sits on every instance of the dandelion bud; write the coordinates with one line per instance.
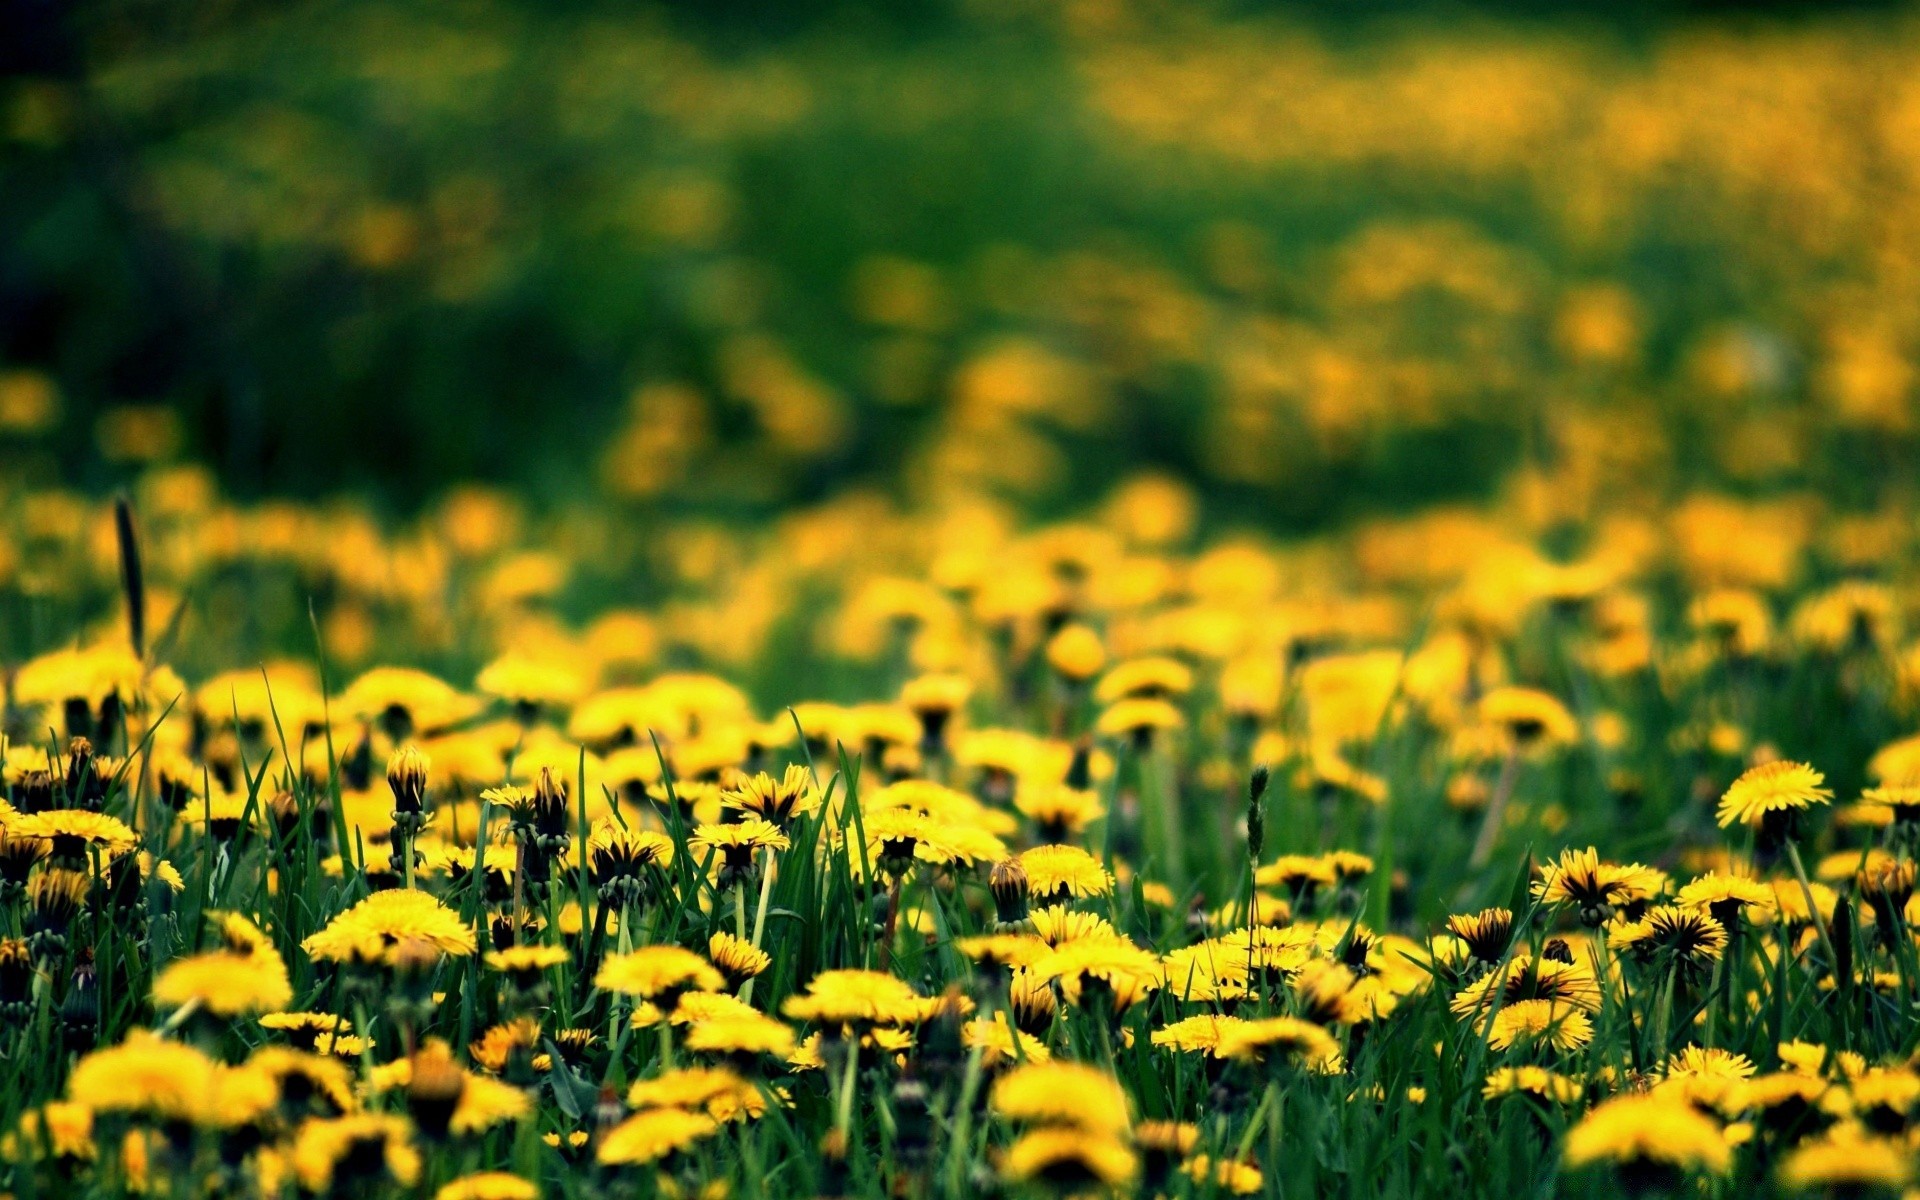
(435, 1088)
(79, 759)
(1080, 770)
(413, 957)
(1008, 882)
(549, 811)
(913, 1123)
(16, 979)
(1033, 1003)
(1840, 932)
(407, 776)
(835, 1179)
(55, 895)
(607, 1109)
(33, 791)
(1488, 932)
(17, 858)
(80, 1011)
(1257, 814)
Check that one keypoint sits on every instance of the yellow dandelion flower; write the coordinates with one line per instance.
(1774, 787)
(655, 971)
(371, 930)
(1063, 1093)
(653, 1135)
(1648, 1129)
(488, 1185)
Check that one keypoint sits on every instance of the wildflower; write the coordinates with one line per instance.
(854, 998)
(1031, 999)
(225, 984)
(1737, 619)
(1144, 678)
(303, 1029)
(1276, 1040)
(1232, 1178)
(1063, 1093)
(740, 1039)
(1791, 901)
(1649, 1133)
(1093, 971)
(1348, 867)
(1708, 1062)
(374, 930)
(1727, 898)
(1326, 993)
(355, 1151)
(1332, 777)
(718, 1092)
(1885, 1099)
(1783, 1099)
(18, 857)
(1002, 951)
(1847, 1161)
(1060, 812)
(1196, 1034)
(70, 833)
(55, 896)
(897, 838)
(530, 684)
(1528, 978)
(525, 964)
(1529, 717)
(305, 1082)
(1772, 790)
(656, 972)
(1557, 1024)
(934, 699)
(1691, 938)
(1002, 1042)
(1162, 1145)
(402, 701)
(146, 1075)
(58, 1128)
(780, 801)
(1060, 873)
(503, 1043)
(1901, 803)
(1138, 720)
(1539, 1082)
(1069, 1159)
(737, 845)
(1813, 1059)
(1297, 874)
(738, 959)
(488, 1185)
(16, 978)
(697, 1007)
(1076, 654)
(435, 1085)
(1012, 889)
(1056, 925)
(407, 779)
(1597, 889)
(620, 858)
(653, 1135)
(1486, 933)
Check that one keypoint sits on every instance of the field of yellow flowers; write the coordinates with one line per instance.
(1397, 675)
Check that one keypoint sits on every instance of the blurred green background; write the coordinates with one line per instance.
(1322, 259)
